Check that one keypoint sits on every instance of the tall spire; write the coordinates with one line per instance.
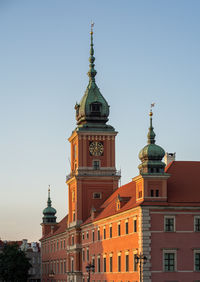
(49, 212)
(151, 155)
(92, 72)
(93, 110)
(49, 199)
(151, 134)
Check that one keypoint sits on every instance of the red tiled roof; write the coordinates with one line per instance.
(183, 185)
(60, 228)
(183, 188)
(109, 206)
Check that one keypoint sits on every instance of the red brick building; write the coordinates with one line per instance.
(152, 222)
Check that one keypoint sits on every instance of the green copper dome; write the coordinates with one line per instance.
(151, 155)
(93, 110)
(49, 212)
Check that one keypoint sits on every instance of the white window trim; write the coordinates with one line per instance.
(170, 216)
(167, 251)
(196, 216)
(196, 252)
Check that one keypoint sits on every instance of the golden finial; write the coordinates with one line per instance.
(92, 25)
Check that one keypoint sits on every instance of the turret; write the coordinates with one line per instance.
(93, 110)
(49, 218)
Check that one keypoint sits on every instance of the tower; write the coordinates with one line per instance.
(93, 175)
(49, 218)
(151, 184)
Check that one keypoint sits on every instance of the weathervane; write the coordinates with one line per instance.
(152, 105)
(92, 25)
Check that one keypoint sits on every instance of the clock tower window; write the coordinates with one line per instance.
(96, 165)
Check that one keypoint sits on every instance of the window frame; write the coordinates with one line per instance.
(174, 223)
(195, 253)
(119, 229)
(195, 218)
(167, 251)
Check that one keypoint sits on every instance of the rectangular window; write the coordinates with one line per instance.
(135, 264)
(110, 231)
(98, 265)
(140, 194)
(88, 257)
(157, 193)
(169, 224)
(111, 264)
(72, 240)
(197, 261)
(64, 266)
(152, 193)
(96, 165)
(104, 264)
(135, 225)
(83, 236)
(93, 235)
(61, 267)
(126, 227)
(98, 234)
(83, 255)
(119, 263)
(97, 195)
(197, 224)
(127, 263)
(169, 261)
(87, 235)
(104, 233)
(74, 216)
(72, 265)
(119, 229)
(93, 261)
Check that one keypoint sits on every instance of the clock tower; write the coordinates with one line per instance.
(93, 176)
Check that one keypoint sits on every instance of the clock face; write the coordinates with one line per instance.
(96, 148)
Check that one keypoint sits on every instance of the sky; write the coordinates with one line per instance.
(146, 51)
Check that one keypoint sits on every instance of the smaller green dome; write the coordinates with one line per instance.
(151, 152)
(49, 212)
(151, 155)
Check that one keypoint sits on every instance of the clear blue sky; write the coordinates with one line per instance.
(146, 51)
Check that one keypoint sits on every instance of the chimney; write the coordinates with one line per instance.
(169, 157)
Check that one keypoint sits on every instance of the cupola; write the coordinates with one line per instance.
(151, 155)
(93, 110)
(49, 212)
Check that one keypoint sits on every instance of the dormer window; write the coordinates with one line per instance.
(95, 108)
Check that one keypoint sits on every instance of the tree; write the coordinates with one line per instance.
(14, 265)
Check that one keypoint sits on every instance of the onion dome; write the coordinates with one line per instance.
(151, 155)
(49, 212)
(93, 110)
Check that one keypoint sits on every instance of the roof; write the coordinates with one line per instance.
(184, 183)
(60, 228)
(183, 188)
(108, 208)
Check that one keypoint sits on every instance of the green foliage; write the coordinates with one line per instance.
(14, 265)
